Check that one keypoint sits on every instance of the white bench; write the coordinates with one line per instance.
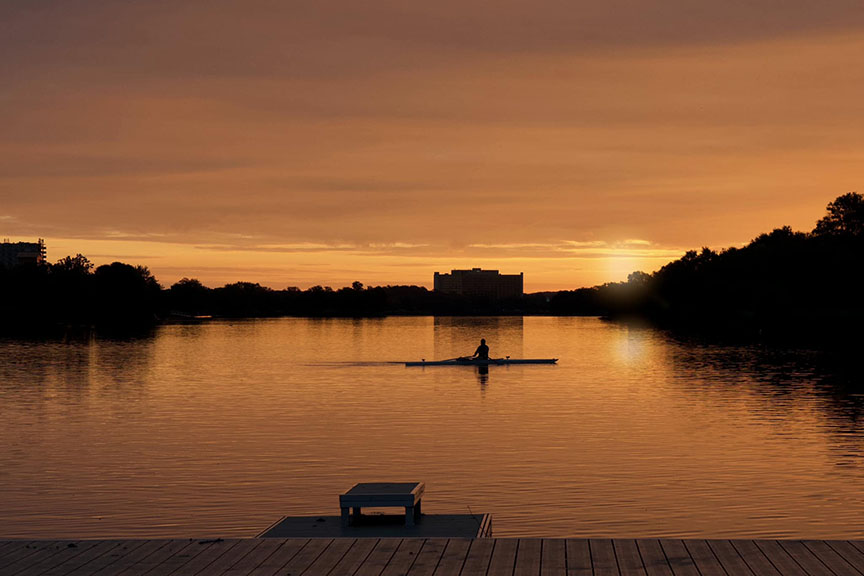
(383, 494)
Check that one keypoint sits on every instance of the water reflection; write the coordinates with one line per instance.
(796, 380)
(482, 376)
(221, 427)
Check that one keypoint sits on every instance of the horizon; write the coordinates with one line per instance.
(217, 281)
(323, 144)
(217, 277)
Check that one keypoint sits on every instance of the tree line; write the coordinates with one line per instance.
(803, 287)
(800, 286)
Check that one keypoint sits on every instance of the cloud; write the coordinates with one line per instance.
(165, 40)
(583, 243)
(396, 245)
(635, 242)
(514, 246)
(383, 132)
(307, 247)
(124, 257)
(580, 249)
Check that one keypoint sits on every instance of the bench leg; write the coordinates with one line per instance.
(356, 512)
(346, 517)
(409, 515)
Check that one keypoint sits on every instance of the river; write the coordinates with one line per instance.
(219, 429)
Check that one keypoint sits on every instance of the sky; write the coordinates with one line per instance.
(296, 143)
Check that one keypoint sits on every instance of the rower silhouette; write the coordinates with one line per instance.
(482, 352)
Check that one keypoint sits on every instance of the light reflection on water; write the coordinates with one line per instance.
(221, 428)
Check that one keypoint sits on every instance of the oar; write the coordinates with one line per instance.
(449, 359)
(454, 359)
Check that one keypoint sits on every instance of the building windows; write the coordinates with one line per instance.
(16, 253)
(477, 282)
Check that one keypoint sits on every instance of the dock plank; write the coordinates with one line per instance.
(528, 557)
(281, 557)
(107, 559)
(179, 557)
(849, 553)
(22, 550)
(9, 545)
(330, 557)
(479, 555)
(830, 558)
(379, 557)
(785, 564)
(79, 560)
(454, 557)
(755, 558)
(135, 556)
(213, 551)
(704, 558)
(305, 557)
(653, 558)
(429, 557)
(404, 557)
(503, 557)
(729, 559)
(230, 557)
(628, 557)
(806, 559)
(578, 557)
(62, 552)
(679, 558)
(603, 557)
(248, 563)
(553, 561)
(355, 557)
(131, 566)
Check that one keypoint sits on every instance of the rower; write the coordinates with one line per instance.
(482, 352)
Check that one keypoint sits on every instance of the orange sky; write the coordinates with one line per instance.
(300, 143)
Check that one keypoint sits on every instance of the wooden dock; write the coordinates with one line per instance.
(431, 557)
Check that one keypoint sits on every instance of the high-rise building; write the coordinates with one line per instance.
(477, 282)
(15, 253)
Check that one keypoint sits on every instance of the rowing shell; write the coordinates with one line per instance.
(482, 362)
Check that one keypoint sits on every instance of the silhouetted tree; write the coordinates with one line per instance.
(638, 278)
(246, 299)
(71, 282)
(189, 296)
(845, 217)
(77, 265)
(127, 297)
(784, 285)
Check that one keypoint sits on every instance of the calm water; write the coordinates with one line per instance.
(220, 429)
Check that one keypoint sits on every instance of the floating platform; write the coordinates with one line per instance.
(382, 526)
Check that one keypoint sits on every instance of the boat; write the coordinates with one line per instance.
(467, 361)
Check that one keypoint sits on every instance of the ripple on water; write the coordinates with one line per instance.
(221, 428)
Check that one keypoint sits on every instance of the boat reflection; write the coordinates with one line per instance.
(482, 373)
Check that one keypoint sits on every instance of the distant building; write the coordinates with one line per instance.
(477, 282)
(15, 253)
